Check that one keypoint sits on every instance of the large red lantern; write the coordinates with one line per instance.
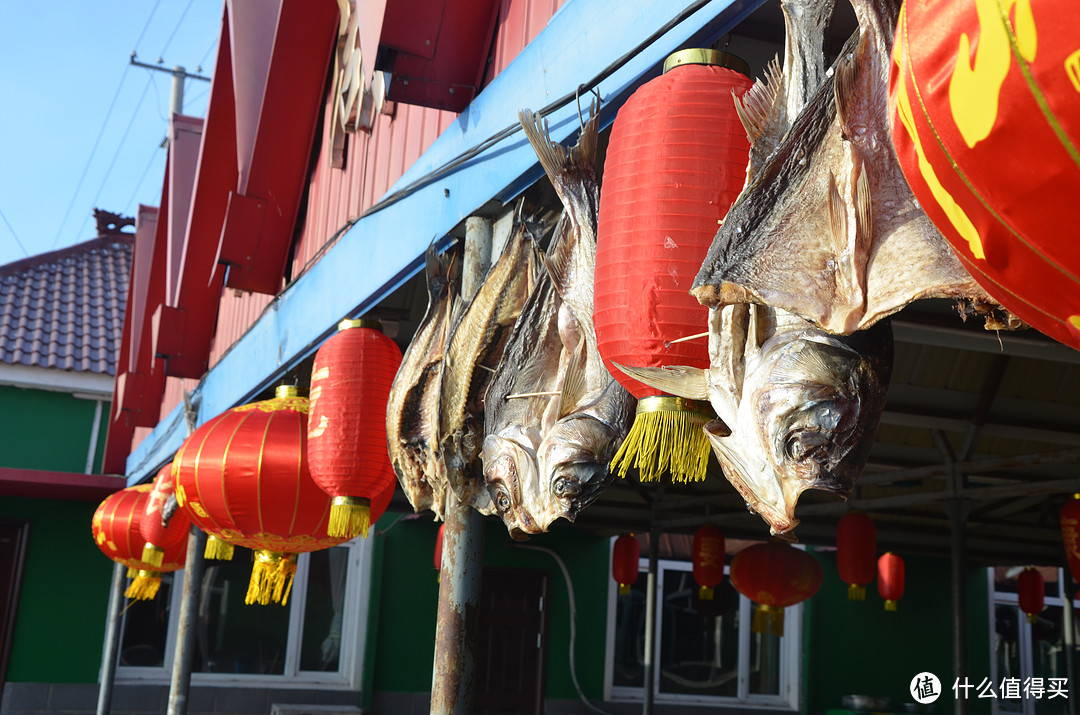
(984, 121)
(890, 579)
(1032, 590)
(350, 384)
(707, 557)
(676, 161)
(1070, 535)
(856, 552)
(774, 575)
(115, 527)
(243, 476)
(624, 562)
(159, 537)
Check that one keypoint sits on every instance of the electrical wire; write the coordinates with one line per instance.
(13, 234)
(139, 183)
(178, 23)
(145, 26)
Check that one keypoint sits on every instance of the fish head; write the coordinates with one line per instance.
(511, 476)
(573, 464)
(807, 419)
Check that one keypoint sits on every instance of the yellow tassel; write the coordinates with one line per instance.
(144, 587)
(666, 437)
(218, 549)
(624, 589)
(271, 578)
(153, 555)
(768, 620)
(855, 592)
(132, 572)
(705, 593)
(1032, 617)
(349, 517)
(890, 605)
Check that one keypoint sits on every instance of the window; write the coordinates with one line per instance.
(704, 650)
(313, 640)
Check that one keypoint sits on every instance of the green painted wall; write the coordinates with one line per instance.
(64, 596)
(856, 647)
(48, 430)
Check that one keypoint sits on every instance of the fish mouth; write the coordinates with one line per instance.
(510, 476)
(574, 459)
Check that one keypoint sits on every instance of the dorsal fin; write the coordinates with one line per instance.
(679, 380)
(574, 382)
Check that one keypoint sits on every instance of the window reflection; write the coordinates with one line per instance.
(630, 637)
(146, 626)
(699, 649)
(323, 610)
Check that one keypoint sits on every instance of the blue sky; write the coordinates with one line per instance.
(64, 63)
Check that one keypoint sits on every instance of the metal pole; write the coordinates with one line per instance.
(176, 102)
(112, 639)
(957, 511)
(463, 545)
(180, 684)
(1068, 636)
(650, 619)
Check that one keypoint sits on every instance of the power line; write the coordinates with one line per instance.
(202, 62)
(147, 25)
(142, 178)
(14, 235)
(178, 23)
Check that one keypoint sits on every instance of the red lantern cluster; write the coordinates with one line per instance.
(707, 556)
(675, 163)
(890, 579)
(987, 133)
(1032, 592)
(243, 477)
(856, 552)
(774, 575)
(350, 384)
(624, 562)
(1070, 535)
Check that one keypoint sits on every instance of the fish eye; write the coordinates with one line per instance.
(502, 501)
(566, 488)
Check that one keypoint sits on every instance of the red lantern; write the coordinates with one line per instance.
(350, 383)
(624, 562)
(155, 533)
(890, 579)
(774, 575)
(243, 477)
(708, 559)
(676, 161)
(115, 527)
(987, 133)
(1032, 590)
(856, 552)
(1070, 535)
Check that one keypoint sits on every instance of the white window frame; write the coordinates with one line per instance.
(349, 675)
(790, 655)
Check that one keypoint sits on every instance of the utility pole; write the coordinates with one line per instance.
(179, 74)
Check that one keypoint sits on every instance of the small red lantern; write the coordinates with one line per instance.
(1070, 535)
(675, 163)
(708, 559)
(243, 477)
(159, 537)
(774, 575)
(890, 579)
(987, 133)
(350, 384)
(856, 552)
(624, 562)
(1031, 589)
(115, 527)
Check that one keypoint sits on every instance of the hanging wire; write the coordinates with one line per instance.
(177, 27)
(142, 178)
(13, 234)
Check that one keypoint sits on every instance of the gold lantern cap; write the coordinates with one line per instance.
(359, 323)
(705, 56)
(282, 391)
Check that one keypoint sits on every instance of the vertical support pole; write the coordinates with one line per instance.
(176, 100)
(180, 684)
(463, 545)
(1068, 636)
(112, 640)
(650, 620)
(957, 511)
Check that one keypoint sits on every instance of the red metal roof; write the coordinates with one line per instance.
(42, 484)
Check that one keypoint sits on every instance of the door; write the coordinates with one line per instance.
(13, 537)
(511, 642)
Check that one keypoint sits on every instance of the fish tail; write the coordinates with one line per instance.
(560, 163)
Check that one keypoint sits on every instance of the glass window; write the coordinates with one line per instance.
(146, 629)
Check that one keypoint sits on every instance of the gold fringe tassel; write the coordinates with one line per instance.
(624, 589)
(1032, 617)
(705, 593)
(132, 572)
(666, 437)
(768, 620)
(271, 578)
(144, 587)
(856, 592)
(349, 517)
(153, 555)
(218, 549)
(890, 605)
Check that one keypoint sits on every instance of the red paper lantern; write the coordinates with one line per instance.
(243, 476)
(350, 384)
(675, 163)
(624, 562)
(1032, 590)
(890, 579)
(115, 527)
(708, 559)
(856, 552)
(774, 575)
(1070, 535)
(988, 135)
(155, 533)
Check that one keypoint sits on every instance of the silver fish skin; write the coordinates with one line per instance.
(546, 456)
(413, 406)
(826, 226)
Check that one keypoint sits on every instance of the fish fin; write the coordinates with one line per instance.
(845, 85)
(554, 269)
(864, 222)
(559, 162)
(761, 108)
(574, 382)
(837, 217)
(679, 380)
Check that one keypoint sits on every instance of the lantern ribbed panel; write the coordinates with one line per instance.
(158, 538)
(347, 454)
(1031, 589)
(1070, 535)
(775, 576)
(707, 557)
(624, 562)
(856, 552)
(890, 579)
(676, 160)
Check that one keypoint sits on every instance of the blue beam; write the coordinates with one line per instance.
(385, 248)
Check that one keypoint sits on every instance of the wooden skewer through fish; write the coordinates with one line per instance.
(668, 343)
(552, 393)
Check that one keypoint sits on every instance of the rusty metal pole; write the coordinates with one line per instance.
(1068, 637)
(183, 655)
(463, 545)
(112, 640)
(650, 620)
